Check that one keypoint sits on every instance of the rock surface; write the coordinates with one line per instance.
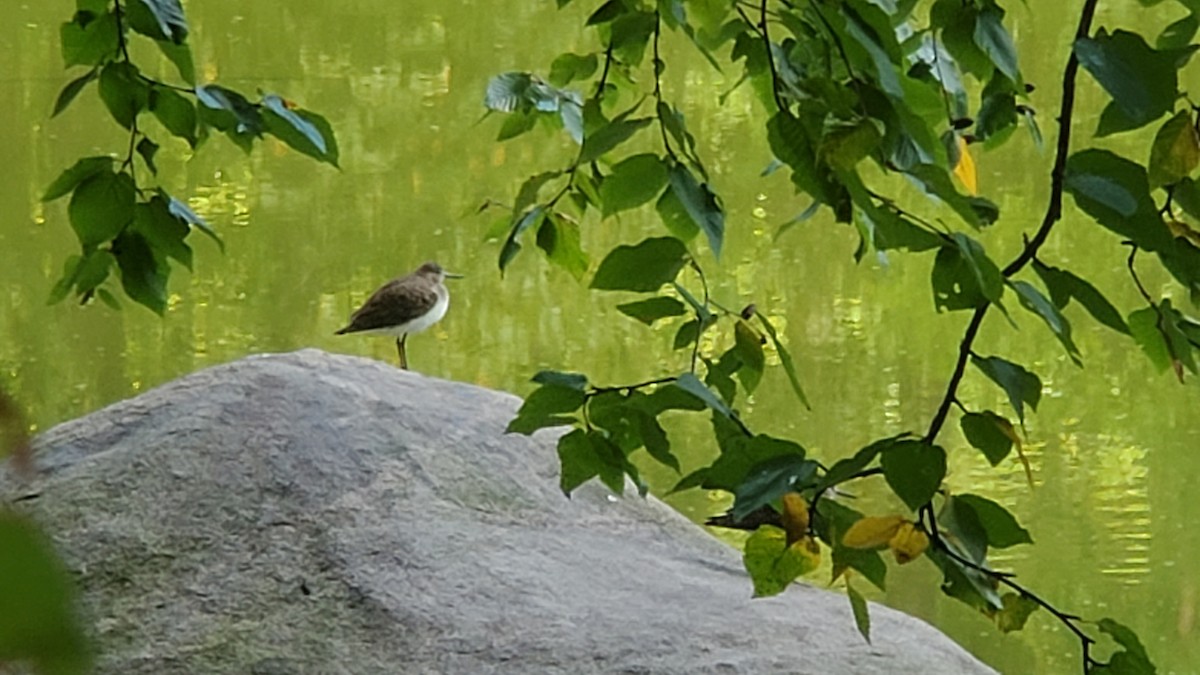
(312, 513)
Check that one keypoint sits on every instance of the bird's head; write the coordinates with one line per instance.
(434, 270)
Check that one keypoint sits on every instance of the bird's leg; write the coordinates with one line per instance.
(402, 351)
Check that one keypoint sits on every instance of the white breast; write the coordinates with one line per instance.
(433, 316)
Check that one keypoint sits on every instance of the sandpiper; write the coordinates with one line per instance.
(404, 305)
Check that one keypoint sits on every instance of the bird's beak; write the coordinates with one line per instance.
(452, 275)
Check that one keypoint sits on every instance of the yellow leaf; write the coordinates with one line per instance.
(965, 169)
(795, 517)
(1182, 230)
(908, 543)
(872, 532)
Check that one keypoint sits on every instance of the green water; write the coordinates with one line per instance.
(1112, 450)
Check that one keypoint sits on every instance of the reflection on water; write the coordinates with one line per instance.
(1111, 450)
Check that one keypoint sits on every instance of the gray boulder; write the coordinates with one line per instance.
(313, 513)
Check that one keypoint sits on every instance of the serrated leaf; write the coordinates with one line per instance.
(653, 309)
(79, 172)
(643, 267)
(38, 625)
(549, 405)
(914, 470)
(72, 89)
(101, 206)
(772, 564)
(582, 458)
(990, 433)
(633, 182)
(701, 204)
(862, 615)
(302, 130)
(1175, 152)
(1023, 387)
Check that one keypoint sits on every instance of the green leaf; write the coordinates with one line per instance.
(71, 90)
(862, 616)
(123, 93)
(1065, 286)
(960, 521)
(181, 56)
(607, 12)
(1179, 34)
(557, 378)
(548, 406)
(990, 433)
(568, 67)
(525, 221)
(1176, 150)
(964, 277)
(740, 454)
(772, 564)
(770, 480)
(701, 204)
(969, 586)
(675, 217)
(844, 144)
(229, 111)
(654, 439)
(749, 347)
(101, 206)
(785, 359)
(183, 212)
(143, 277)
(987, 276)
(644, 267)
(866, 562)
(633, 182)
(994, 40)
(691, 384)
(62, 287)
(1144, 327)
(93, 270)
(1033, 300)
(559, 237)
(610, 136)
(914, 470)
(1116, 192)
(1001, 527)
(1023, 387)
(1016, 611)
(304, 131)
(147, 149)
(169, 14)
(37, 618)
(79, 172)
(89, 40)
(1132, 660)
(1141, 80)
(162, 230)
(845, 469)
(175, 113)
(653, 309)
(584, 456)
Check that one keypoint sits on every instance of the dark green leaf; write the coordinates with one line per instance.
(93, 270)
(749, 347)
(108, 299)
(845, 469)
(607, 12)
(964, 277)
(987, 276)
(701, 204)
(559, 237)
(304, 131)
(654, 439)
(994, 40)
(644, 267)
(72, 90)
(862, 616)
(576, 381)
(123, 93)
(1141, 80)
(237, 115)
(1017, 608)
(608, 137)
(786, 359)
(1001, 527)
(770, 480)
(865, 562)
(101, 206)
(578, 460)
(975, 211)
(844, 144)
(79, 172)
(633, 182)
(89, 43)
(914, 470)
(960, 521)
(691, 384)
(1065, 286)
(181, 56)
(62, 287)
(169, 15)
(675, 217)
(1179, 34)
(1176, 150)
(790, 143)
(530, 219)
(688, 333)
(1133, 660)
(568, 67)
(183, 212)
(37, 619)
(1144, 327)
(548, 406)
(1033, 300)
(967, 585)
(653, 309)
(986, 432)
(163, 231)
(1023, 387)
(147, 149)
(1116, 192)
(143, 276)
(175, 113)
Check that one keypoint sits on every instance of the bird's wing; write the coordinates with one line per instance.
(396, 302)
